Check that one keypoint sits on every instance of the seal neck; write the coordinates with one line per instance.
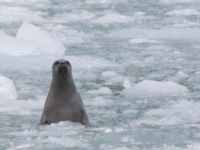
(63, 84)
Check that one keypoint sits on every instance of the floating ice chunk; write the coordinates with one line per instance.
(24, 1)
(109, 74)
(122, 148)
(100, 101)
(139, 13)
(68, 35)
(117, 80)
(18, 14)
(148, 88)
(127, 83)
(21, 107)
(104, 1)
(30, 40)
(169, 147)
(68, 142)
(24, 146)
(142, 41)
(102, 90)
(105, 147)
(108, 130)
(194, 146)
(7, 89)
(112, 18)
(112, 77)
(164, 33)
(75, 16)
(180, 76)
(177, 1)
(84, 15)
(183, 12)
(42, 39)
(181, 112)
(89, 62)
(185, 24)
(12, 46)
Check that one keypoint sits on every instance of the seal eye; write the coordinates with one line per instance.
(67, 62)
(56, 63)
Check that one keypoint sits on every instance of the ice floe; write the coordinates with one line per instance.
(181, 112)
(19, 14)
(104, 1)
(183, 12)
(127, 83)
(177, 1)
(7, 89)
(164, 33)
(109, 74)
(23, 1)
(149, 88)
(142, 41)
(44, 41)
(21, 107)
(111, 18)
(90, 62)
(99, 101)
(73, 16)
(68, 142)
(180, 76)
(102, 90)
(30, 40)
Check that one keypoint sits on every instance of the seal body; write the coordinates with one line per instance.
(63, 101)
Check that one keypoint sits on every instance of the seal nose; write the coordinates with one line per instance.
(64, 62)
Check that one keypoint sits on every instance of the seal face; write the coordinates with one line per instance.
(63, 101)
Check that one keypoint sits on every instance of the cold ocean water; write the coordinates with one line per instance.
(136, 64)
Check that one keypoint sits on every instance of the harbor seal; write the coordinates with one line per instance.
(63, 101)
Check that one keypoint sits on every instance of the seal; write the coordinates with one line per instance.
(63, 101)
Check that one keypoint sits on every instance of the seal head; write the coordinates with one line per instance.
(61, 67)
